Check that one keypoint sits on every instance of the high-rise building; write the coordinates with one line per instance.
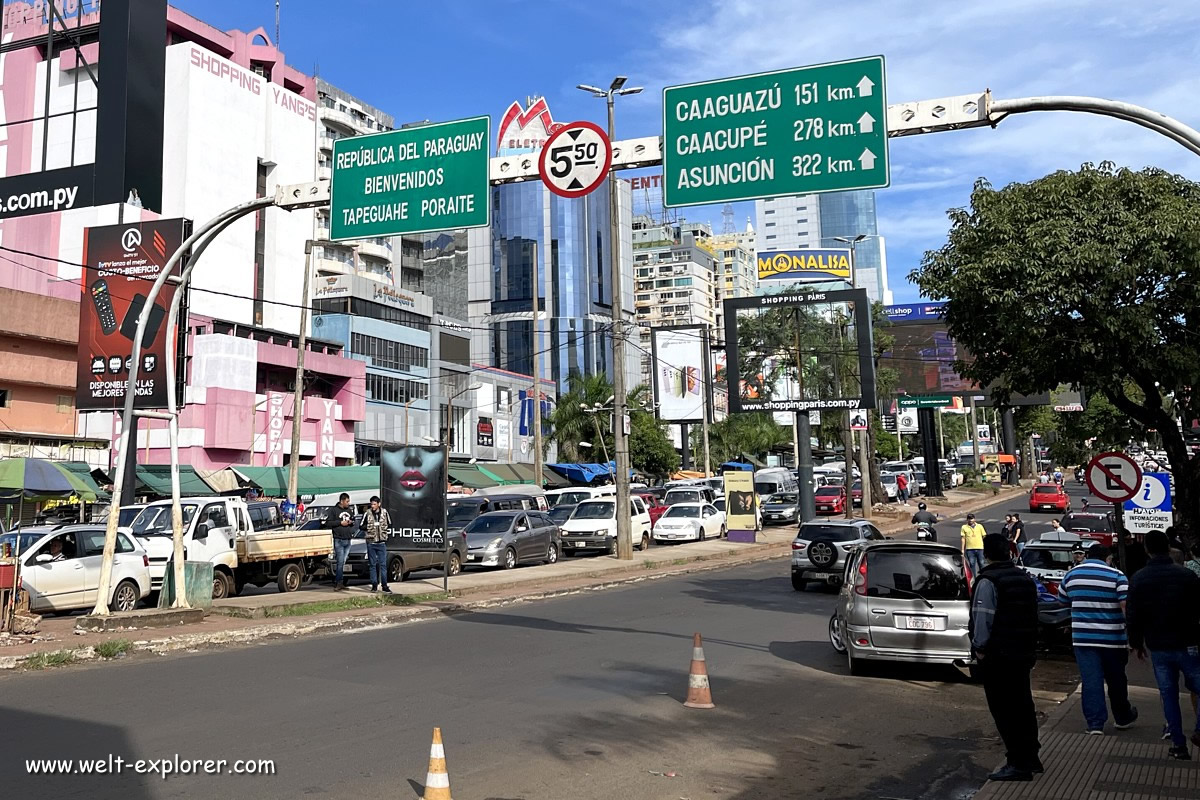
(679, 282)
(737, 269)
(812, 221)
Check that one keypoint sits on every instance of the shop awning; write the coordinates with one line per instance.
(83, 471)
(273, 481)
(510, 473)
(155, 479)
(471, 477)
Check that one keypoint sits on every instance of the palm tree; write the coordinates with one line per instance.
(574, 423)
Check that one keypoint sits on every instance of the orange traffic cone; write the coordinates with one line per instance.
(699, 695)
(437, 781)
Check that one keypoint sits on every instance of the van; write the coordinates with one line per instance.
(696, 493)
(775, 480)
(536, 494)
(593, 526)
(574, 495)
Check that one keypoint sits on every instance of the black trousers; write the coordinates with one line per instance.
(1006, 683)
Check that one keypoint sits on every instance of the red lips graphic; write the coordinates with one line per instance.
(412, 480)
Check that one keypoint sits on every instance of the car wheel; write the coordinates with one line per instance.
(701, 535)
(855, 667)
(835, 635)
(290, 578)
(798, 583)
(552, 554)
(126, 596)
(645, 542)
(455, 564)
(510, 558)
(395, 570)
(222, 587)
(611, 547)
(723, 532)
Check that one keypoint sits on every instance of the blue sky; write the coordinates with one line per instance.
(461, 58)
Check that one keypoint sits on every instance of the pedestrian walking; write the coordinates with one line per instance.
(341, 520)
(377, 525)
(1006, 530)
(1018, 533)
(972, 534)
(1003, 631)
(902, 488)
(1164, 618)
(1056, 527)
(1193, 562)
(1096, 593)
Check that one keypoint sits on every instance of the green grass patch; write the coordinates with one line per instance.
(351, 604)
(679, 562)
(648, 564)
(113, 648)
(55, 658)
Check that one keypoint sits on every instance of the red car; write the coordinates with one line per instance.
(831, 500)
(1049, 497)
(856, 493)
(655, 506)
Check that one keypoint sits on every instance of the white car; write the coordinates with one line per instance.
(687, 522)
(890, 485)
(60, 568)
(593, 526)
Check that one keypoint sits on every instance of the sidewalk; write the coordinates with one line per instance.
(1121, 765)
(261, 614)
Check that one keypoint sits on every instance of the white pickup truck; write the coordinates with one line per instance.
(221, 530)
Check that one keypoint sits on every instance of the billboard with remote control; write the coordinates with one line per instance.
(121, 263)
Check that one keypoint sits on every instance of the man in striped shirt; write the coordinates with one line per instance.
(1096, 592)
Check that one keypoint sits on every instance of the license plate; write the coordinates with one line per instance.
(773, 516)
(921, 624)
(1046, 506)
(470, 557)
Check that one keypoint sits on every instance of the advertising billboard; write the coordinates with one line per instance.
(121, 263)
(680, 367)
(413, 484)
(804, 265)
(740, 511)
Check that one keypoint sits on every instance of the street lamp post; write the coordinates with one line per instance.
(864, 451)
(620, 438)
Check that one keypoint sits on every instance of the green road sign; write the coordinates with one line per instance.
(412, 180)
(925, 401)
(811, 129)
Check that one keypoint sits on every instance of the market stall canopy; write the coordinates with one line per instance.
(155, 479)
(85, 473)
(729, 466)
(39, 479)
(273, 481)
(585, 473)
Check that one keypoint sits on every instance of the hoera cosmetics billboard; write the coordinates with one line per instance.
(805, 265)
(121, 263)
(413, 490)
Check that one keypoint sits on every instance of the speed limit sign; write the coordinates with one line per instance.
(575, 160)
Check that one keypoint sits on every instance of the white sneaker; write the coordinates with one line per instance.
(1095, 732)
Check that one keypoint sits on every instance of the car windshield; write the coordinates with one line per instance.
(888, 478)
(27, 540)
(766, 488)
(1045, 490)
(487, 523)
(829, 491)
(561, 513)
(572, 498)
(126, 517)
(1046, 558)
(784, 499)
(602, 510)
(462, 513)
(156, 520)
(857, 486)
(683, 496)
(1098, 524)
(675, 512)
(901, 573)
(834, 533)
(920, 476)
(719, 504)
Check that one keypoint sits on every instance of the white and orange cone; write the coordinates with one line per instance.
(699, 694)
(437, 780)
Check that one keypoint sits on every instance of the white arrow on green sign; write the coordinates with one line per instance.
(412, 180)
(821, 128)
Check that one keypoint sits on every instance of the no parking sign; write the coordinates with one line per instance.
(1150, 508)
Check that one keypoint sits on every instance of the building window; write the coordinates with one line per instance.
(770, 225)
(388, 354)
(769, 211)
(798, 222)
(5, 398)
(386, 389)
(771, 236)
(64, 403)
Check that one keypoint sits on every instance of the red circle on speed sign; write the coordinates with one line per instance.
(575, 159)
(1113, 477)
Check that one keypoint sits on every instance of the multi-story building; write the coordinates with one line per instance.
(678, 280)
(737, 268)
(823, 221)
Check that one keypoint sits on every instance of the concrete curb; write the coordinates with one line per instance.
(389, 617)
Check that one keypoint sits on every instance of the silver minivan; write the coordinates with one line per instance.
(903, 601)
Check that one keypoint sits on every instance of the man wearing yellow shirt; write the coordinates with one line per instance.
(972, 544)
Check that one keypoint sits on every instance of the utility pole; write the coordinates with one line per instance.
(620, 438)
(298, 394)
(864, 456)
(974, 437)
(537, 375)
(706, 400)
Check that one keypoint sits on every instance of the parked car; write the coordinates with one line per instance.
(890, 486)
(856, 494)
(60, 568)
(1095, 525)
(509, 538)
(830, 500)
(461, 510)
(685, 522)
(820, 549)
(1049, 558)
(575, 495)
(1049, 497)
(593, 526)
(903, 601)
(689, 494)
(654, 505)
(781, 508)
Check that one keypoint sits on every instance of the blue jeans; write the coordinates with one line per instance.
(377, 563)
(1168, 664)
(341, 551)
(1099, 666)
(975, 562)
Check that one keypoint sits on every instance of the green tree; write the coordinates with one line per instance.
(650, 449)
(1086, 278)
(751, 434)
(573, 420)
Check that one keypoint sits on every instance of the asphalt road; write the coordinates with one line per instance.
(576, 697)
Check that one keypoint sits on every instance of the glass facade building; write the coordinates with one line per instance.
(851, 214)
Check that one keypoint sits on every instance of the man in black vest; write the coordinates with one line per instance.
(1004, 642)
